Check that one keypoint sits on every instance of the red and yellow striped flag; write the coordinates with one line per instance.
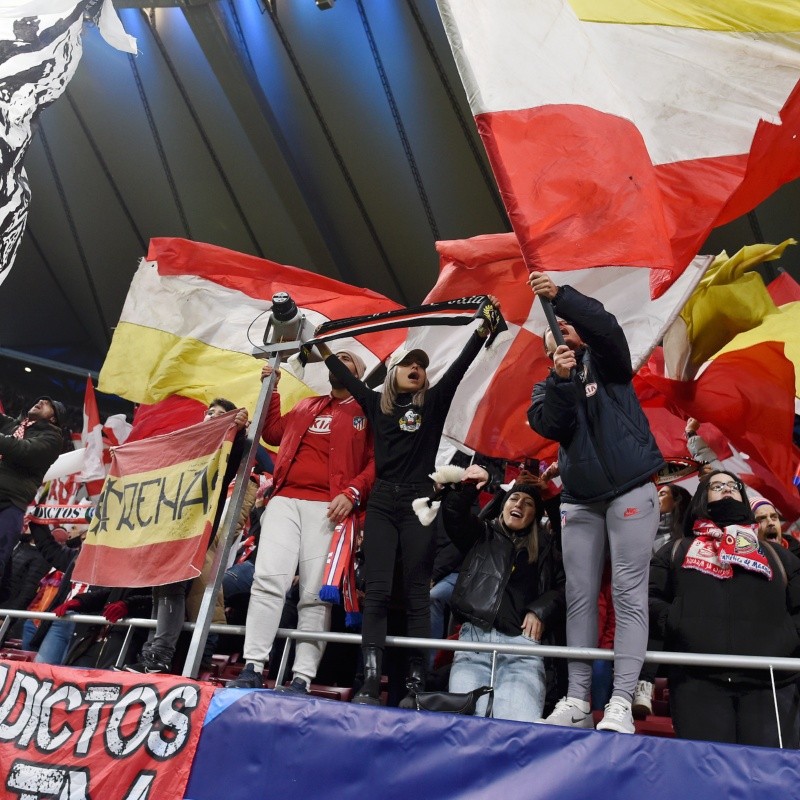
(157, 507)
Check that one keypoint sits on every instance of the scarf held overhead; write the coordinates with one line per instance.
(461, 311)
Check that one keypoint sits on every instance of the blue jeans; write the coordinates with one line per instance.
(519, 681)
(441, 593)
(237, 580)
(29, 629)
(440, 599)
(55, 644)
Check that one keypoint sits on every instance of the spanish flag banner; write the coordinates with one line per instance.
(622, 131)
(156, 510)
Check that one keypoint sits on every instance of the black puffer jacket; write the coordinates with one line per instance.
(746, 614)
(62, 558)
(497, 586)
(25, 461)
(28, 567)
(606, 444)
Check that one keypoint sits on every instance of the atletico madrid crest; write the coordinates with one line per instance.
(359, 423)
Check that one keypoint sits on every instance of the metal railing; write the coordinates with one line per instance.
(556, 651)
(200, 633)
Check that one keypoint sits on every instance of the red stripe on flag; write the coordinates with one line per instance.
(571, 201)
(258, 277)
(784, 289)
(581, 190)
(774, 159)
(749, 395)
(499, 427)
(148, 565)
(173, 448)
(171, 414)
(485, 264)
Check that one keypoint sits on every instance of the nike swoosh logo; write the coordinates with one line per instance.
(579, 719)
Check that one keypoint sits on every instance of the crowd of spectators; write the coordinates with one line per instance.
(600, 548)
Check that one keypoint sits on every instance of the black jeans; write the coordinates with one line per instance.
(392, 530)
(718, 711)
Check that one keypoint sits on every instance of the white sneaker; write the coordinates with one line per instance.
(617, 716)
(642, 700)
(571, 713)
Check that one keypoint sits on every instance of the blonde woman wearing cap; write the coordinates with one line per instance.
(407, 420)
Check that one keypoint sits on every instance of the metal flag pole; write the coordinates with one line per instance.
(550, 315)
(285, 322)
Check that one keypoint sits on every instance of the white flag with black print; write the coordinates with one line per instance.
(40, 46)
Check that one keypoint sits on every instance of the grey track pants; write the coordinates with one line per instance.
(625, 528)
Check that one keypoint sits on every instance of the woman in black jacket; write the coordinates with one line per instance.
(509, 591)
(407, 419)
(720, 590)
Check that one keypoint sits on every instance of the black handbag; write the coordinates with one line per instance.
(454, 702)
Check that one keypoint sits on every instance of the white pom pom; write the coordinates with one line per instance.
(447, 474)
(425, 510)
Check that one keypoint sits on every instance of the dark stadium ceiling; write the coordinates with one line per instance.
(335, 140)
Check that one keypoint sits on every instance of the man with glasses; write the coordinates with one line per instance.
(607, 459)
(28, 446)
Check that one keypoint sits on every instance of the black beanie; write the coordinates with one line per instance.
(530, 489)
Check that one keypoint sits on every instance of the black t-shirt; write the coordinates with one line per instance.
(407, 440)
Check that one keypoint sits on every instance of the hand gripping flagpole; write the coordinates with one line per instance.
(550, 315)
(283, 336)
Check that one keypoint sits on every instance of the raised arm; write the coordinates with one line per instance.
(357, 388)
(460, 524)
(596, 327)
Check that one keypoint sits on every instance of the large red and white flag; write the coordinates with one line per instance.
(622, 132)
(195, 312)
(488, 413)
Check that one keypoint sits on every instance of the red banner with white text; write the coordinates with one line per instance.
(84, 735)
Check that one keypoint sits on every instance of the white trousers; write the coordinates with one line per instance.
(294, 533)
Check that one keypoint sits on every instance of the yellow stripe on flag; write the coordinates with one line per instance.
(151, 498)
(164, 505)
(730, 298)
(146, 365)
(782, 326)
(758, 16)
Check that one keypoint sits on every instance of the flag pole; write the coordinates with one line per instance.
(547, 307)
(283, 335)
(229, 524)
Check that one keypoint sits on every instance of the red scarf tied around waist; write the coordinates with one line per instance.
(715, 550)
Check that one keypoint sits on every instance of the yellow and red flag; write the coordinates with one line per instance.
(156, 510)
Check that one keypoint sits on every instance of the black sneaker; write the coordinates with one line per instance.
(148, 665)
(248, 679)
(297, 686)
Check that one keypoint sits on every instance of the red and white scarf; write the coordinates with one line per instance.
(339, 579)
(19, 432)
(715, 550)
